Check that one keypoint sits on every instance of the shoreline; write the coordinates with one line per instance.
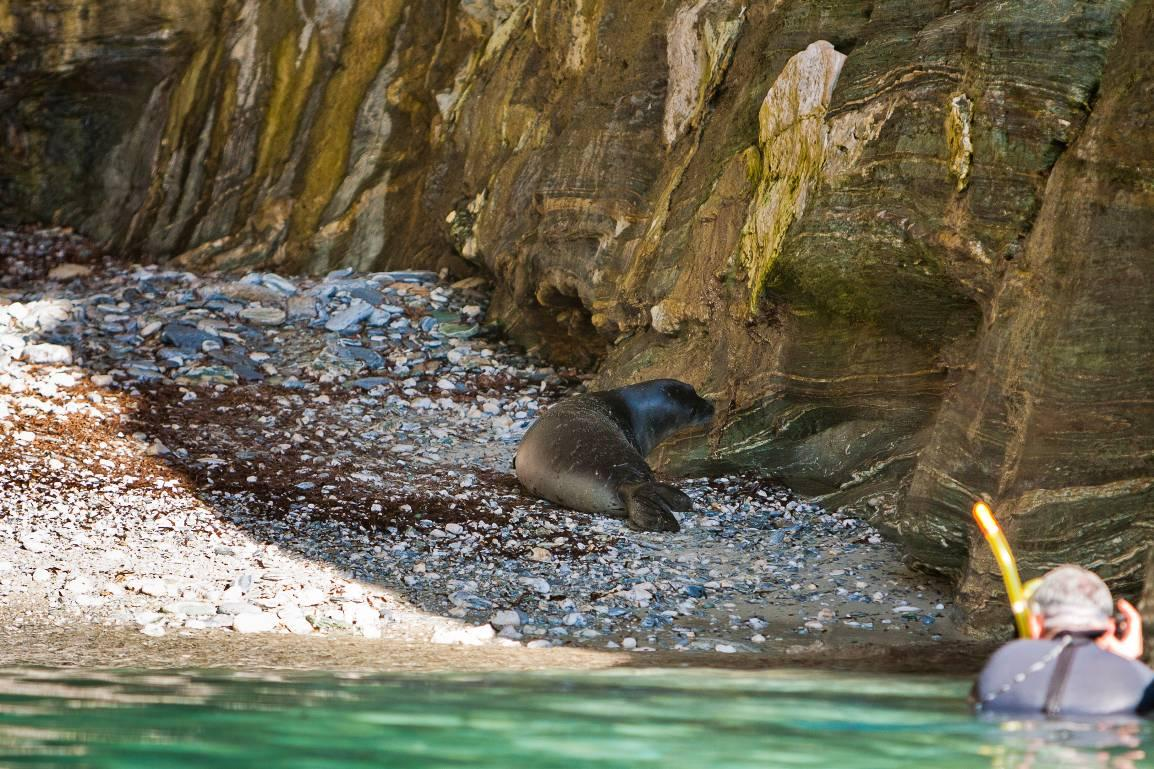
(259, 460)
(98, 647)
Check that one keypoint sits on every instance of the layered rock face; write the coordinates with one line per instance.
(1055, 423)
(77, 79)
(905, 246)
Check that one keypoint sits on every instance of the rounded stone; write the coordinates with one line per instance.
(259, 622)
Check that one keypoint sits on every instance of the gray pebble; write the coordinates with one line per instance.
(267, 316)
(356, 312)
(237, 607)
(506, 618)
(190, 609)
(536, 584)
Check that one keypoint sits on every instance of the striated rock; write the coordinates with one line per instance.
(699, 43)
(794, 139)
(83, 97)
(1053, 425)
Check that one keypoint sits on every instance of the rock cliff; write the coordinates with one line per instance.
(906, 246)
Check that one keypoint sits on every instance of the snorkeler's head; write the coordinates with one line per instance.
(1072, 599)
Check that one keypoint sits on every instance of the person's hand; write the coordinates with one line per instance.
(1130, 644)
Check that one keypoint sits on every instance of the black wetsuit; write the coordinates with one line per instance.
(1067, 676)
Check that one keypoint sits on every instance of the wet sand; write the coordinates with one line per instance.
(93, 646)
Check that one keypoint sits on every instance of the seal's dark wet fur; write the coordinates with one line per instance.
(588, 452)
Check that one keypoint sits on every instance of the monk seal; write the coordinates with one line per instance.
(588, 452)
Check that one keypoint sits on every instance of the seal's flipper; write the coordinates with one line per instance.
(649, 506)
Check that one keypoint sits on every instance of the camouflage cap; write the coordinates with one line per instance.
(1072, 598)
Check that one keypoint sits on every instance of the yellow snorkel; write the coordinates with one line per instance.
(1019, 600)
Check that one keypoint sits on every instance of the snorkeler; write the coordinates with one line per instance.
(1079, 660)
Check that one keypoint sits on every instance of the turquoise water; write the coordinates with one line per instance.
(602, 720)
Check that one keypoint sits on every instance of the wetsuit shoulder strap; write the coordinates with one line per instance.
(1057, 687)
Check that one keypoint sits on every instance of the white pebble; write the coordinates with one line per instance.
(261, 622)
(464, 636)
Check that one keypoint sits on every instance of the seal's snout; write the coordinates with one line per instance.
(694, 410)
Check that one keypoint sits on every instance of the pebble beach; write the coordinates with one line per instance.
(330, 456)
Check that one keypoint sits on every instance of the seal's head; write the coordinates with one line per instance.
(661, 407)
(1072, 599)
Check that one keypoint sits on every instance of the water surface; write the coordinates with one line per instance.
(603, 720)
